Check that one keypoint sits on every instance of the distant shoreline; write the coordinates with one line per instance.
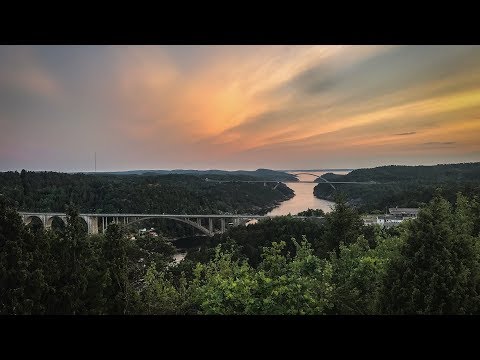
(188, 171)
(313, 170)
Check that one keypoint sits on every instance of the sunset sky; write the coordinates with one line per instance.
(237, 107)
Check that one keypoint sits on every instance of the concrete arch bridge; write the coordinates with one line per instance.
(98, 223)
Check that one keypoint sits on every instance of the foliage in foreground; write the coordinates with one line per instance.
(430, 265)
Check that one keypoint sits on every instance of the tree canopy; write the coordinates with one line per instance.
(428, 265)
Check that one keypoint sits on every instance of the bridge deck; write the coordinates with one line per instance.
(296, 182)
(183, 216)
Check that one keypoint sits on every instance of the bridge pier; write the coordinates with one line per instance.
(92, 224)
(104, 220)
(222, 226)
(210, 225)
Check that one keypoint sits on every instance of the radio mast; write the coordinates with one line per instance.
(95, 161)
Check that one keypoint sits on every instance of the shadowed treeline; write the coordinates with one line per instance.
(428, 265)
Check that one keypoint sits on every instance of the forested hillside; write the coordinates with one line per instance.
(179, 194)
(403, 186)
(259, 174)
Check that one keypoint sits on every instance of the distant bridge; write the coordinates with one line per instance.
(317, 176)
(99, 222)
(296, 182)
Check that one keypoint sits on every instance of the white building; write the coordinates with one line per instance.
(396, 216)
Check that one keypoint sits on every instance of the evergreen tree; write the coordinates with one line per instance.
(118, 290)
(358, 271)
(437, 269)
(342, 226)
(13, 262)
(23, 286)
(71, 264)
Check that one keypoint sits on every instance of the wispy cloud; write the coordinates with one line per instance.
(406, 133)
(435, 143)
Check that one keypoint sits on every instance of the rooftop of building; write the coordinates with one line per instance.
(397, 210)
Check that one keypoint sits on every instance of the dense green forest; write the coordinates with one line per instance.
(50, 191)
(259, 174)
(429, 265)
(185, 194)
(403, 186)
(312, 212)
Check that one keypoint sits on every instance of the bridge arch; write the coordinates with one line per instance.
(55, 218)
(56, 222)
(186, 221)
(316, 176)
(31, 219)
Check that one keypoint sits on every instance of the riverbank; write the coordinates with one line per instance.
(304, 198)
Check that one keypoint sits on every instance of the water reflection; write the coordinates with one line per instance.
(304, 198)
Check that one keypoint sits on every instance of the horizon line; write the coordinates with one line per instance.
(280, 170)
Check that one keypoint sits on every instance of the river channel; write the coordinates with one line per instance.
(303, 200)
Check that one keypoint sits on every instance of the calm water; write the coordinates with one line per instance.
(304, 198)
